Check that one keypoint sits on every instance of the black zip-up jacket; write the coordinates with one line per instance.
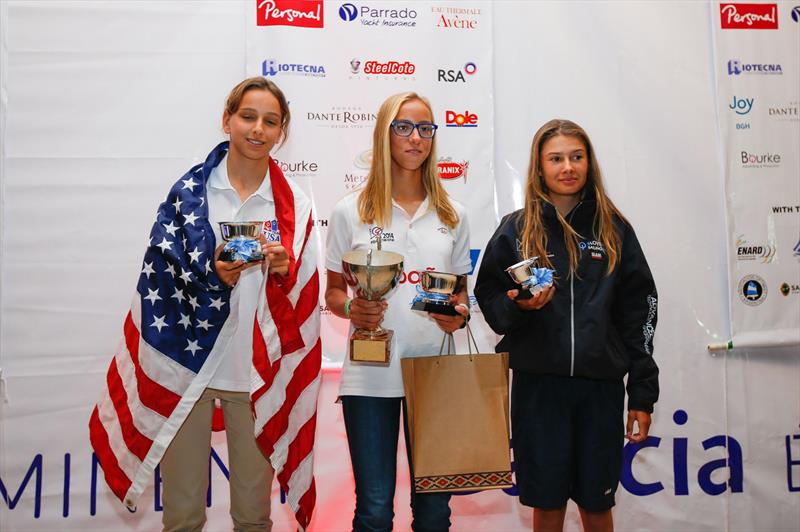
(596, 326)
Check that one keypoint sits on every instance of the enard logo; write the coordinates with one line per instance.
(748, 16)
(299, 13)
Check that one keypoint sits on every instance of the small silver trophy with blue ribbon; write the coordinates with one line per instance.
(241, 241)
(434, 291)
(531, 279)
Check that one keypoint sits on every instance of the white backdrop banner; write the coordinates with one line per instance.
(105, 104)
(758, 88)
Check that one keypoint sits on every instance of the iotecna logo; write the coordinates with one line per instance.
(465, 119)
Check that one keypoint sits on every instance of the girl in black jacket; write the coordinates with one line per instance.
(571, 344)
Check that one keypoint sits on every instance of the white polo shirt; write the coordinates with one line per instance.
(224, 205)
(425, 243)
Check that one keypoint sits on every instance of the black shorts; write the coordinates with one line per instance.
(568, 435)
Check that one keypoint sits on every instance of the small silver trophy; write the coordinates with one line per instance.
(435, 291)
(531, 279)
(241, 241)
(374, 275)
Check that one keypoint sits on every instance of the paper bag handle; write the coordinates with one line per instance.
(451, 343)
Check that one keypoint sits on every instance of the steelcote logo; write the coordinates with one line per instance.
(454, 119)
(389, 68)
(450, 169)
(748, 16)
(299, 13)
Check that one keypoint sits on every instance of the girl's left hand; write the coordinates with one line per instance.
(451, 324)
(276, 257)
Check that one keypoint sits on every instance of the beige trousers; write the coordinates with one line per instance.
(184, 468)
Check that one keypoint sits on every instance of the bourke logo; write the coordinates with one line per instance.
(748, 16)
(453, 119)
(299, 13)
(450, 169)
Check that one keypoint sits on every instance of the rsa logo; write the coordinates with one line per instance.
(748, 16)
(451, 76)
(465, 119)
(299, 13)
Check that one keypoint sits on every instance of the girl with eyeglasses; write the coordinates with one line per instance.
(572, 344)
(405, 205)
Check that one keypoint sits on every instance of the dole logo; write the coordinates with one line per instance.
(449, 169)
(748, 16)
(298, 13)
(453, 119)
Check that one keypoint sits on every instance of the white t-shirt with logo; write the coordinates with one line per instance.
(224, 205)
(425, 243)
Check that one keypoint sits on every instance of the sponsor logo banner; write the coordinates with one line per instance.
(342, 117)
(737, 67)
(752, 290)
(747, 251)
(760, 160)
(465, 119)
(378, 15)
(272, 67)
(456, 18)
(456, 75)
(450, 169)
(298, 13)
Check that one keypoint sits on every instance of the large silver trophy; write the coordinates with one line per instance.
(241, 241)
(435, 291)
(374, 275)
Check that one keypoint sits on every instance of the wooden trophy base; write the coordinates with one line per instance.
(371, 349)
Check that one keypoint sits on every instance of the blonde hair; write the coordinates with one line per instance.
(375, 200)
(259, 83)
(533, 234)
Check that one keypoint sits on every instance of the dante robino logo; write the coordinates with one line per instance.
(452, 76)
(752, 290)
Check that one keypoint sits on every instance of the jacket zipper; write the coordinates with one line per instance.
(572, 306)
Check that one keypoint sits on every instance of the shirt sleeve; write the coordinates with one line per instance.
(460, 260)
(634, 313)
(500, 312)
(340, 235)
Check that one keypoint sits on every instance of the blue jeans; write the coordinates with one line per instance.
(373, 427)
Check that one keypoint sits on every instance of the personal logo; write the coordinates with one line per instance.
(465, 119)
(736, 68)
(760, 160)
(271, 232)
(298, 13)
(456, 75)
(741, 106)
(374, 17)
(752, 290)
(342, 117)
(272, 67)
(749, 251)
(748, 16)
(456, 18)
(450, 169)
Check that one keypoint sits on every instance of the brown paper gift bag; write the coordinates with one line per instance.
(457, 414)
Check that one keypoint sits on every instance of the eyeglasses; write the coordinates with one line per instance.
(405, 128)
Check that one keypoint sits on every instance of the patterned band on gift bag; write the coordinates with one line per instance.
(463, 482)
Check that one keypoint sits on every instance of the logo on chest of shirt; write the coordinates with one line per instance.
(377, 232)
(270, 230)
(595, 248)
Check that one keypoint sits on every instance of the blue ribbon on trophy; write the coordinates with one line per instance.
(531, 278)
(434, 291)
(241, 241)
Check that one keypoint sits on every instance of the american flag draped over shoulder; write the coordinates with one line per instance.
(178, 328)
